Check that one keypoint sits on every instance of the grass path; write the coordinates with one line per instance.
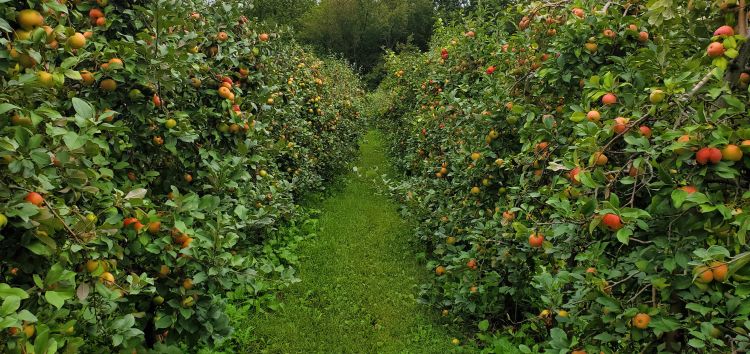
(359, 278)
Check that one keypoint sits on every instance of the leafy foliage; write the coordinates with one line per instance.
(578, 171)
(149, 153)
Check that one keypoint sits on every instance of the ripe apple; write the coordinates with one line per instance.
(689, 189)
(621, 125)
(600, 159)
(578, 12)
(645, 131)
(715, 49)
(612, 221)
(609, 99)
(574, 178)
(536, 240)
(34, 198)
(724, 31)
(643, 36)
(708, 155)
(593, 116)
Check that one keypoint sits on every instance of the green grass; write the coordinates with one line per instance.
(359, 281)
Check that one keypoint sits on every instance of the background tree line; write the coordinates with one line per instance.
(360, 30)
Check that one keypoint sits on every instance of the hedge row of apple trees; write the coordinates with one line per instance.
(148, 150)
(580, 175)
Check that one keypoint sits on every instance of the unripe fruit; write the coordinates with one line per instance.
(187, 284)
(107, 278)
(731, 152)
(3, 221)
(108, 85)
(170, 123)
(77, 41)
(657, 96)
(28, 19)
(29, 330)
(45, 79)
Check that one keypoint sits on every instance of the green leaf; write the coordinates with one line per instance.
(623, 235)
(6, 290)
(696, 343)
(10, 305)
(5, 107)
(164, 322)
(73, 141)
(56, 298)
(83, 108)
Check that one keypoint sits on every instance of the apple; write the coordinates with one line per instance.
(612, 221)
(657, 96)
(724, 31)
(609, 99)
(715, 49)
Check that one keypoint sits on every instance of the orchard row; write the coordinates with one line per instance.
(151, 154)
(580, 173)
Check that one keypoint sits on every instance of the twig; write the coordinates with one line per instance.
(67, 228)
(639, 292)
(622, 281)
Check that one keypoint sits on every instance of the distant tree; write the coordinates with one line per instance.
(360, 29)
(282, 12)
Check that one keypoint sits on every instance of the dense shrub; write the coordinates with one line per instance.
(148, 150)
(577, 169)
